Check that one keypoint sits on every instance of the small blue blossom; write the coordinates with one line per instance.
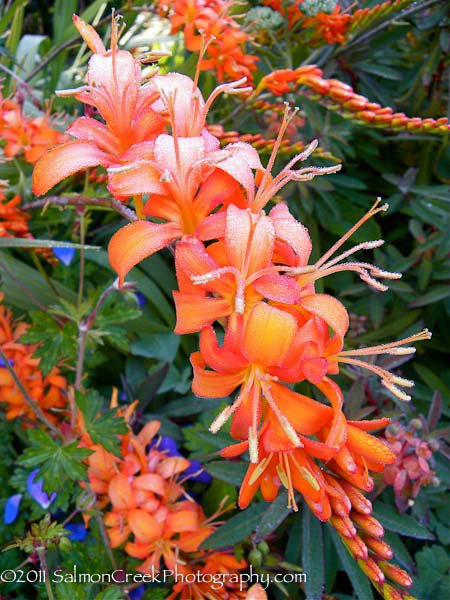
(137, 593)
(12, 509)
(64, 255)
(79, 531)
(36, 492)
(142, 300)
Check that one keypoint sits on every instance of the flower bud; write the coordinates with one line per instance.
(255, 557)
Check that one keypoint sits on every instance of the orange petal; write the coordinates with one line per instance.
(144, 526)
(137, 241)
(269, 334)
(121, 493)
(182, 520)
(367, 445)
(89, 35)
(195, 312)
(64, 160)
(331, 310)
(209, 384)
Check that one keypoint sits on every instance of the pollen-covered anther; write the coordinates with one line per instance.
(376, 272)
(398, 393)
(253, 445)
(364, 276)
(402, 382)
(221, 419)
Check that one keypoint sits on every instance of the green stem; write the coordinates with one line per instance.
(82, 258)
(43, 272)
(44, 567)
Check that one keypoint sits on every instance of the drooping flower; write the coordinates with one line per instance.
(255, 355)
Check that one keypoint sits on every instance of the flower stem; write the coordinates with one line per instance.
(44, 567)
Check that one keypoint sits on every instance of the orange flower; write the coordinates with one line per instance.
(114, 89)
(255, 355)
(237, 271)
(224, 50)
(48, 391)
(329, 27)
(13, 221)
(30, 137)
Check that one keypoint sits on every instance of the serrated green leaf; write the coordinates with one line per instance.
(103, 426)
(56, 342)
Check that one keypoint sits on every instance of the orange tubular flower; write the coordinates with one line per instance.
(337, 95)
(48, 391)
(256, 354)
(114, 89)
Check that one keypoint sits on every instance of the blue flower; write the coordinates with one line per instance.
(79, 531)
(12, 509)
(137, 593)
(2, 363)
(195, 471)
(36, 492)
(64, 255)
(200, 474)
(142, 300)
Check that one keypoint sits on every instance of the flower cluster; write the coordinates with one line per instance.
(364, 18)
(200, 20)
(324, 18)
(243, 273)
(411, 470)
(30, 137)
(13, 220)
(341, 97)
(152, 515)
(47, 391)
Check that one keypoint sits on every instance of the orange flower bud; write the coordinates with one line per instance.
(368, 523)
(377, 546)
(396, 574)
(372, 570)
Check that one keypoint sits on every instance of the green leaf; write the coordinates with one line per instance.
(33, 243)
(358, 579)
(56, 463)
(313, 555)
(104, 427)
(432, 380)
(437, 293)
(277, 512)
(231, 472)
(237, 528)
(403, 524)
(158, 345)
(56, 342)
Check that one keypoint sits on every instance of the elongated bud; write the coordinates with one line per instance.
(369, 524)
(396, 574)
